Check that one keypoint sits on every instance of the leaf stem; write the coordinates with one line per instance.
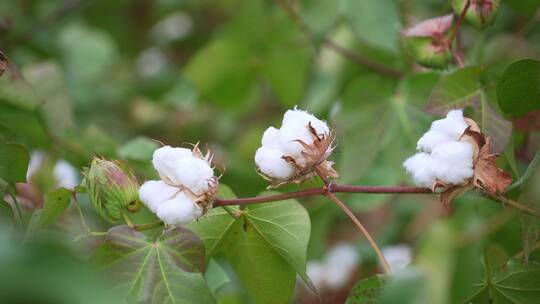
(506, 201)
(127, 219)
(363, 229)
(453, 34)
(229, 211)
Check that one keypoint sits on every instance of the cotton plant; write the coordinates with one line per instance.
(337, 268)
(186, 187)
(454, 155)
(297, 151)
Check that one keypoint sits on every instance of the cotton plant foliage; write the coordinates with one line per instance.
(454, 155)
(297, 150)
(187, 186)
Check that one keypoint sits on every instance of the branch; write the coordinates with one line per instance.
(351, 55)
(332, 188)
(453, 34)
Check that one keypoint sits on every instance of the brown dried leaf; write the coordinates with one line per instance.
(3, 63)
(487, 176)
(453, 193)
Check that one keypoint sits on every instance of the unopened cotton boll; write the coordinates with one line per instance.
(179, 210)
(193, 173)
(453, 162)
(272, 164)
(398, 256)
(419, 166)
(153, 193)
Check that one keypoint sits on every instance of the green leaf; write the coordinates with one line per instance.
(375, 22)
(14, 160)
(462, 88)
(216, 276)
(55, 204)
(366, 291)
(168, 270)
(266, 245)
(518, 90)
(407, 286)
(139, 149)
(515, 282)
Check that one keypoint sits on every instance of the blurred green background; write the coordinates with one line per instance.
(117, 78)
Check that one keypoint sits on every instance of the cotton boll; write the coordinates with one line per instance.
(453, 162)
(179, 210)
(398, 257)
(452, 126)
(431, 139)
(164, 159)
(271, 163)
(316, 273)
(340, 264)
(193, 173)
(153, 193)
(66, 175)
(270, 138)
(420, 167)
(303, 118)
(291, 134)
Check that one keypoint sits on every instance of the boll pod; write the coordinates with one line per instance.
(112, 187)
(480, 13)
(426, 42)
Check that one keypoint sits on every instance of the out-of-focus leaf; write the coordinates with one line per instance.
(518, 90)
(216, 276)
(515, 282)
(377, 23)
(271, 238)
(366, 291)
(408, 286)
(6, 214)
(462, 88)
(3, 63)
(14, 160)
(24, 126)
(53, 207)
(168, 270)
(320, 15)
(47, 81)
(87, 53)
(139, 149)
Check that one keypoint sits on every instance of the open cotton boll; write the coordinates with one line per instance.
(164, 158)
(271, 164)
(66, 175)
(340, 264)
(193, 173)
(316, 273)
(453, 162)
(398, 256)
(179, 210)
(153, 193)
(303, 118)
(431, 139)
(419, 166)
(452, 126)
(270, 138)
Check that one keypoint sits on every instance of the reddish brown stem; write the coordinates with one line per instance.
(453, 34)
(318, 191)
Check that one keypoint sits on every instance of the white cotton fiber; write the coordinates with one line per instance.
(164, 158)
(443, 157)
(398, 256)
(270, 138)
(176, 211)
(340, 263)
(431, 139)
(452, 162)
(271, 164)
(419, 166)
(153, 193)
(193, 173)
(452, 126)
(66, 175)
(316, 273)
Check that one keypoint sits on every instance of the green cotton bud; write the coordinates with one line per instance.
(427, 42)
(112, 188)
(480, 13)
